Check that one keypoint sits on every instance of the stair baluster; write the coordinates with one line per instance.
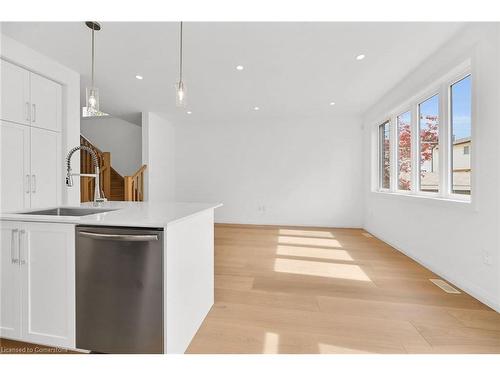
(134, 185)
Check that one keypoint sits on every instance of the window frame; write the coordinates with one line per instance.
(441, 87)
(453, 195)
(380, 150)
(420, 101)
(412, 151)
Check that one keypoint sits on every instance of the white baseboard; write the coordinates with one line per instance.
(467, 286)
(288, 224)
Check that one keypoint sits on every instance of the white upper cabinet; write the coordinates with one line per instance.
(30, 99)
(46, 164)
(30, 139)
(46, 102)
(15, 166)
(15, 93)
(31, 166)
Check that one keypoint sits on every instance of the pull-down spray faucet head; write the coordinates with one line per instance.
(69, 178)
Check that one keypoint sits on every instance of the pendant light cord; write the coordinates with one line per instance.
(93, 26)
(180, 57)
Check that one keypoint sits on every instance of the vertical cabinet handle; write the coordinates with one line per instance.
(21, 233)
(28, 188)
(33, 116)
(28, 118)
(13, 258)
(33, 183)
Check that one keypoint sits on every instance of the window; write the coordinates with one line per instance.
(384, 156)
(404, 151)
(425, 146)
(460, 122)
(429, 144)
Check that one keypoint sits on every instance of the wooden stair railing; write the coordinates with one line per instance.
(114, 186)
(86, 166)
(134, 185)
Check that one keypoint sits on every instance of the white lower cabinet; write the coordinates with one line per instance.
(10, 281)
(37, 272)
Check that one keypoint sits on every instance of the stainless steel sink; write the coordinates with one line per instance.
(68, 211)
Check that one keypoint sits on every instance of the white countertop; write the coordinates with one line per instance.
(127, 214)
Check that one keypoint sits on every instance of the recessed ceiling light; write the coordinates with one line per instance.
(189, 112)
(256, 108)
(332, 103)
(239, 67)
(360, 57)
(138, 77)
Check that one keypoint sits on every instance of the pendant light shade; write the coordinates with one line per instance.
(92, 100)
(180, 96)
(180, 87)
(92, 92)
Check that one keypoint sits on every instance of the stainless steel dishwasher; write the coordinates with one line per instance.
(119, 289)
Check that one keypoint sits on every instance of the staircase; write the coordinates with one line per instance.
(117, 192)
(114, 186)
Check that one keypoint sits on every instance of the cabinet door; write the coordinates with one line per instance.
(48, 284)
(46, 164)
(10, 292)
(15, 86)
(15, 166)
(46, 102)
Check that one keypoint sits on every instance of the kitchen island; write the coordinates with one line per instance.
(38, 262)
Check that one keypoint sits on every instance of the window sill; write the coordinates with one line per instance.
(466, 204)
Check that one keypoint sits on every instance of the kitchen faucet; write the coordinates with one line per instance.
(98, 196)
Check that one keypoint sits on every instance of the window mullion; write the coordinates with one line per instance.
(380, 147)
(394, 154)
(415, 151)
(444, 142)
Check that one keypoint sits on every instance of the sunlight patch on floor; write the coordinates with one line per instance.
(333, 349)
(310, 233)
(271, 343)
(313, 252)
(322, 269)
(287, 240)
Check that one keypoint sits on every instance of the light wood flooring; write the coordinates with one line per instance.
(321, 290)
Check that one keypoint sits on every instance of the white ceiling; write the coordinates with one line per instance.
(290, 69)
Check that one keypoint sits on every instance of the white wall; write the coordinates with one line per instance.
(302, 171)
(449, 238)
(158, 153)
(121, 138)
(21, 55)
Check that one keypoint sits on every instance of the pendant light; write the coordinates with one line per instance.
(92, 97)
(180, 87)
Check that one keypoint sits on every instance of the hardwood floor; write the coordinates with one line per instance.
(321, 290)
